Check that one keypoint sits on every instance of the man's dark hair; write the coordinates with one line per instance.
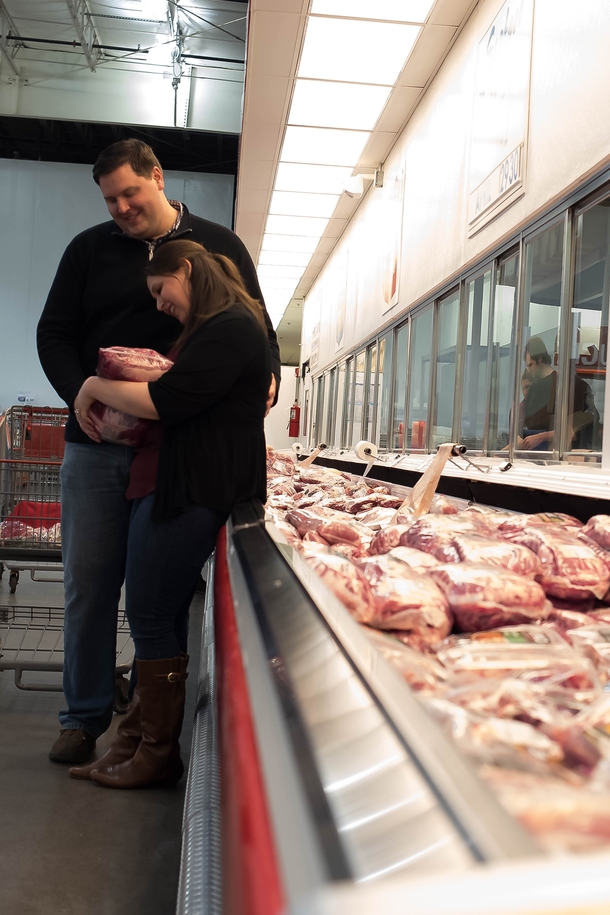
(537, 350)
(126, 152)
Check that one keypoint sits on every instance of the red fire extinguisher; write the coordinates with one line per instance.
(295, 417)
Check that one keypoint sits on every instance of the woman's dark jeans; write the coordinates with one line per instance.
(164, 561)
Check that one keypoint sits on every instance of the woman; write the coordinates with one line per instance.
(206, 454)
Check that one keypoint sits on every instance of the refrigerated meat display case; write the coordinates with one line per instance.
(318, 783)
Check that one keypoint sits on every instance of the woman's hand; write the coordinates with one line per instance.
(82, 404)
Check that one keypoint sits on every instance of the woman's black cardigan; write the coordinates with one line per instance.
(212, 405)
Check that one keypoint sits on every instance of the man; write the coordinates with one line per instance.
(540, 404)
(99, 298)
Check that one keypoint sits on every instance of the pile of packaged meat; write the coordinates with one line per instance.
(498, 621)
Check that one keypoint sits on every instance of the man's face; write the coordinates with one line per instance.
(532, 366)
(136, 203)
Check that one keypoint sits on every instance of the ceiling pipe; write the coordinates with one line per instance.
(113, 47)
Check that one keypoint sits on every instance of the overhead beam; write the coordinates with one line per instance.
(83, 23)
(8, 28)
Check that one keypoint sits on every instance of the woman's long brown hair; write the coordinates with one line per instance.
(215, 282)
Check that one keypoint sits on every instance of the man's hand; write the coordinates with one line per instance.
(81, 406)
(271, 395)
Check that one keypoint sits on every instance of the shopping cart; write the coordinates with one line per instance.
(31, 451)
(31, 638)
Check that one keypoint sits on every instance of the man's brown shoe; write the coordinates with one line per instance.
(74, 745)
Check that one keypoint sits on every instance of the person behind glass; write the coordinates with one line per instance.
(539, 414)
(209, 455)
(526, 383)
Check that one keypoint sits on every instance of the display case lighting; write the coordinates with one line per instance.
(389, 10)
(323, 146)
(276, 271)
(354, 50)
(294, 203)
(289, 258)
(302, 243)
(320, 179)
(351, 106)
(297, 225)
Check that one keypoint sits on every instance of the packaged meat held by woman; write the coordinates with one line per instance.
(483, 597)
(530, 653)
(570, 569)
(407, 601)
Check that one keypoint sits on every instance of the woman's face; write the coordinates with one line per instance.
(172, 294)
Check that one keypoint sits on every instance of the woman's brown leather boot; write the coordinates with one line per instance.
(157, 760)
(124, 745)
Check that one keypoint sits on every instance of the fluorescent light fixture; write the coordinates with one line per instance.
(352, 50)
(154, 9)
(296, 225)
(395, 10)
(288, 258)
(275, 271)
(320, 179)
(290, 203)
(318, 103)
(302, 243)
(161, 52)
(321, 146)
(282, 286)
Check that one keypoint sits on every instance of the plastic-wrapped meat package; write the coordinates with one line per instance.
(597, 528)
(308, 497)
(388, 538)
(124, 363)
(415, 559)
(279, 464)
(563, 816)
(423, 673)
(118, 427)
(439, 544)
(594, 642)
(602, 554)
(310, 519)
(407, 601)
(15, 529)
(339, 530)
(349, 550)
(530, 653)
(121, 363)
(279, 503)
(548, 520)
(281, 486)
(318, 476)
(441, 505)
(344, 580)
(376, 518)
(551, 710)
(564, 620)
(51, 534)
(502, 553)
(570, 569)
(288, 532)
(483, 597)
(372, 500)
(496, 741)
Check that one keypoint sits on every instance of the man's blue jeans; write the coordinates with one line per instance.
(95, 527)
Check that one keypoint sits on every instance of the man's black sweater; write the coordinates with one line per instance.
(99, 297)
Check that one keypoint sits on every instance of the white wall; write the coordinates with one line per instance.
(276, 431)
(43, 206)
(567, 139)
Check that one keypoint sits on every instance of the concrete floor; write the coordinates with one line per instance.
(69, 847)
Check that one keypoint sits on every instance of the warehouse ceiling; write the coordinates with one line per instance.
(156, 62)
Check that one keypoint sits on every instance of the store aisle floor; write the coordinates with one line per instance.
(69, 847)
